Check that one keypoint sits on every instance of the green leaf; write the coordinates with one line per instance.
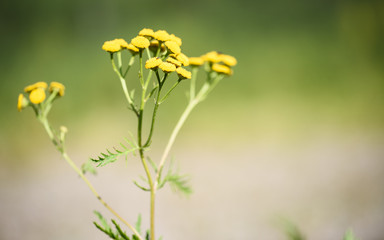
(88, 167)
(349, 235)
(109, 157)
(121, 233)
(291, 230)
(178, 183)
(105, 227)
(138, 224)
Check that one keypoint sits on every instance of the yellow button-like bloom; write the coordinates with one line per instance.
(122, 42)
(111, 46)
(196, 61)
(228, 60)
(177, 40)
(147, 32)
(58, 87)
(183, 59)
(172, 47)
(140, 42)
(134, 50)
(161, 35)
(37, 96)
(22, 102)
(153, 63)
(167, 67)
(32, 87)
(174, 61)
(183, 73)
(212, 57)
(220, 68)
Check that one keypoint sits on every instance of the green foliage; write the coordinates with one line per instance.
(349, 235)
(88, 167)
(178, 183)
(110, 156)
(117, 234)
(291, 231)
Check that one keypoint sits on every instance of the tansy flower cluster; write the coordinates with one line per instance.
(37, 94)
(165, 47)
(217, 62)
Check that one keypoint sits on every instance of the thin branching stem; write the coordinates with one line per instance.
(60, 148)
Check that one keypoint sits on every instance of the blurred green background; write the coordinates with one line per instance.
(297, 131)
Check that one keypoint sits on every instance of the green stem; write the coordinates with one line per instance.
(171, 140)
(124, 86)
(169, 91)
(60, 148)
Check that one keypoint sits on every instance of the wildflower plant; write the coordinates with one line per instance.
(162, 68)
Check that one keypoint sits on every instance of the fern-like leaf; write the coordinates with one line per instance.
(111, 156)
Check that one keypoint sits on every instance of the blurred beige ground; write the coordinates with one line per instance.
(297, 132)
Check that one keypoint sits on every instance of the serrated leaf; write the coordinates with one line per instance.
(179, 183)
(109, 156)
(88, 167)
(121, 233)
(105, 227)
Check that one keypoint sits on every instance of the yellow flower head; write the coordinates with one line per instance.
(32, 87)
(140, 42)
(167, 67)
(123, 44)
(183, 73)
(220, 68)
(183, 59)
(161, 35)
(37, 96)
(172, 47)
(153, 63)
(134, 50)
(212, 57)
(147, 32)
(58, 87)
(177, 40)
(228, 60)
(111, 46)
(196, 61)
(22, 102)
(154, 45)
(174, 61)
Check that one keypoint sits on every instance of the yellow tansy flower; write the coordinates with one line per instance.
(134, 50)
(220, 68)
(37, 96)
(183, 73)
(161, 35)
(111, 46)
(32, 87)
(183, 59)
(155, 44)
(177, 40)
(147, 32)
(167, 67)
(22, 102)
(196, 61)
(153, 63)
(122, 42)
(212, 57)
(172, 47)
(57, 86)
(140, 42)
(228, 60)
(174, 61)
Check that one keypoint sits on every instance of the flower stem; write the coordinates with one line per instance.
(60, 148)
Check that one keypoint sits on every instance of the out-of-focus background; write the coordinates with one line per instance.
(295, 133)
